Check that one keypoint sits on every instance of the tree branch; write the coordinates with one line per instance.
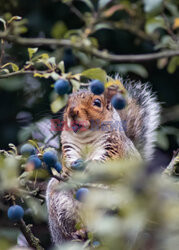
(31, 239)
(37, 42)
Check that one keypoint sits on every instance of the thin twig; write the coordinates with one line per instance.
(35, 42)
(77, 12)
(169, 30)
(21, 73)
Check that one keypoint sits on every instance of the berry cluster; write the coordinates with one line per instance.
(49, 158)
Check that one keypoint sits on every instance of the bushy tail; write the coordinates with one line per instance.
(141, 117)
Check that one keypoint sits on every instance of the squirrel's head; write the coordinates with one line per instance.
(84, 107)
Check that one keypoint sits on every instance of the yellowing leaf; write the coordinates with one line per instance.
(34, 143)
(42, 75)
(176, 23)
(95, 73)
(31, 52)
(44, 56)
(13, 65)
(59, 103)
(15, 18)
(115, 82)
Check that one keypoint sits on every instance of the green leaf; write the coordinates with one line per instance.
(61, 66)
(100, 26)
(134, 68)
(4, 71)
(88, 3)
(76, 84)
(55, 76)
(12, 83)
(4, 22)
(58, 30)
(152, 5)
(166, 42)
(173, 64)
(154, 23)
(31, 52)
(51, 60)
(162, 140)
(95, 73)
(59, 103)
(24, 134)
(172, 8)
(103, 3)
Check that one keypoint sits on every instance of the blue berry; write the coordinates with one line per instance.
(96, 243)
(78, 165)
(97, 87)
(15, 213)
(118, 101)
(27, 150)
(50, 158)
(58, 167)
(81, 194)
(35, 161)
(62, 86)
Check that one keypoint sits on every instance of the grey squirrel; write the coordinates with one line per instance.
(141, 117)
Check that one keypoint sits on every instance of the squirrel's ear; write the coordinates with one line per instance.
(109, 93)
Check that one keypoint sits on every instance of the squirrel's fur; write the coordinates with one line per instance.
(134, 137)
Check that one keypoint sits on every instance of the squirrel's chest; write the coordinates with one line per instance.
(87, 145)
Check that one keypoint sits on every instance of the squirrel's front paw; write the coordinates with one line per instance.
(81, 234)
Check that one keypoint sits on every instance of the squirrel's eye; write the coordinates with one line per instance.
(97, 103)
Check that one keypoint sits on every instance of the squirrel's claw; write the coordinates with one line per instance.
(80, 235)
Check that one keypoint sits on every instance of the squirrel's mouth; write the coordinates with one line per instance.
(78, 126)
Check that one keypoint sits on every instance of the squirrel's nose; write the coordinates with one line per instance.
(73, 112)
